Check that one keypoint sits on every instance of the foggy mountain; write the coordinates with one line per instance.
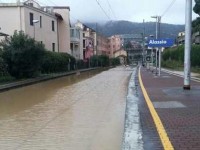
(125, 27)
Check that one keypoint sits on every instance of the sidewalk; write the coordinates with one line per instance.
(178, 110)
(8, 86)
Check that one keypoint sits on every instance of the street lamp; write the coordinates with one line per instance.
(34, 22)
(158, 19)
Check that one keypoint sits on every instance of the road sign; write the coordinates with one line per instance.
(160, 42)
(148, 58)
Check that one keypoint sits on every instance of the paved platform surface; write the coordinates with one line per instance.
(179, 111)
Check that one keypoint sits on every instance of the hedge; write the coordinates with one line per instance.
(176, 54)
(57, 62)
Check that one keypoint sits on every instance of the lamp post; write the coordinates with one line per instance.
(158, 19)
(34, 22)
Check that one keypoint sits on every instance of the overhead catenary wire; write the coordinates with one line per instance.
(171, 4)
(52, 2)
(103, 10)
(111, 9)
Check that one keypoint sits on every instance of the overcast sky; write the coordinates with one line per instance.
(131, 10)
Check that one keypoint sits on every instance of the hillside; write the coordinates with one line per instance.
(126, 27)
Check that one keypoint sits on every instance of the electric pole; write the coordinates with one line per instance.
(157, 21)
(159, 64)
(188, 23)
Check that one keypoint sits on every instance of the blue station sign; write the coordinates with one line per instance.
(160, 43)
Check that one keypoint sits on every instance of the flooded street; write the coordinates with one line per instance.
(83, 112)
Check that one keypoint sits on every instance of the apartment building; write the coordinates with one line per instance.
(133, 43)
(76, 45)
(102, 45)
(85, 42)
(48, 25)
(88, 40)
(115, 44)
(181, 38)
(196, 38)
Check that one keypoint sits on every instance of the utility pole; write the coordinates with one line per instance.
(143, 46)
(156, 17)
(188, 22)
(97, 46)
(159, 22)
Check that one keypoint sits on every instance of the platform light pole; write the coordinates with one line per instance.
(159, 63)
(156, 17)
(188, 23)
(158, 21)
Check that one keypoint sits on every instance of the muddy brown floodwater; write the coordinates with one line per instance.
(84, 112)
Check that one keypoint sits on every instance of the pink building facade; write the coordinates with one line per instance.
(88, 40)
(102, 45)
(114, 45)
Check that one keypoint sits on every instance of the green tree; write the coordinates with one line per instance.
(3, 66)
(115, 61)
(196, 7)
(23, 55)
(104, 60)
(94, 61)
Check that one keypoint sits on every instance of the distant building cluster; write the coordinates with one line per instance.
(181, 38)
(51, 26)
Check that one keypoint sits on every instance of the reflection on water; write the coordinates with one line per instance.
(66, 114)
(22, 98)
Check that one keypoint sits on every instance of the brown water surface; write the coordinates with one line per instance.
(84, 112)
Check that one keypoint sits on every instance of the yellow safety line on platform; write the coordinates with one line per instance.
(159, 126)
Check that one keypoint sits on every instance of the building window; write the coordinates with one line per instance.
(40, 21)
(31, 19)
(83, 34)
(53, 47)
(84, 45)
(53, 25)
(71, 46)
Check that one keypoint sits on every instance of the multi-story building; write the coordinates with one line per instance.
(181, 38)
(133, 44)
(102, 45)
(89, 40)
(196, 38)
(115, 44)
(48, 25)
(76, 45)
(92, 43)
